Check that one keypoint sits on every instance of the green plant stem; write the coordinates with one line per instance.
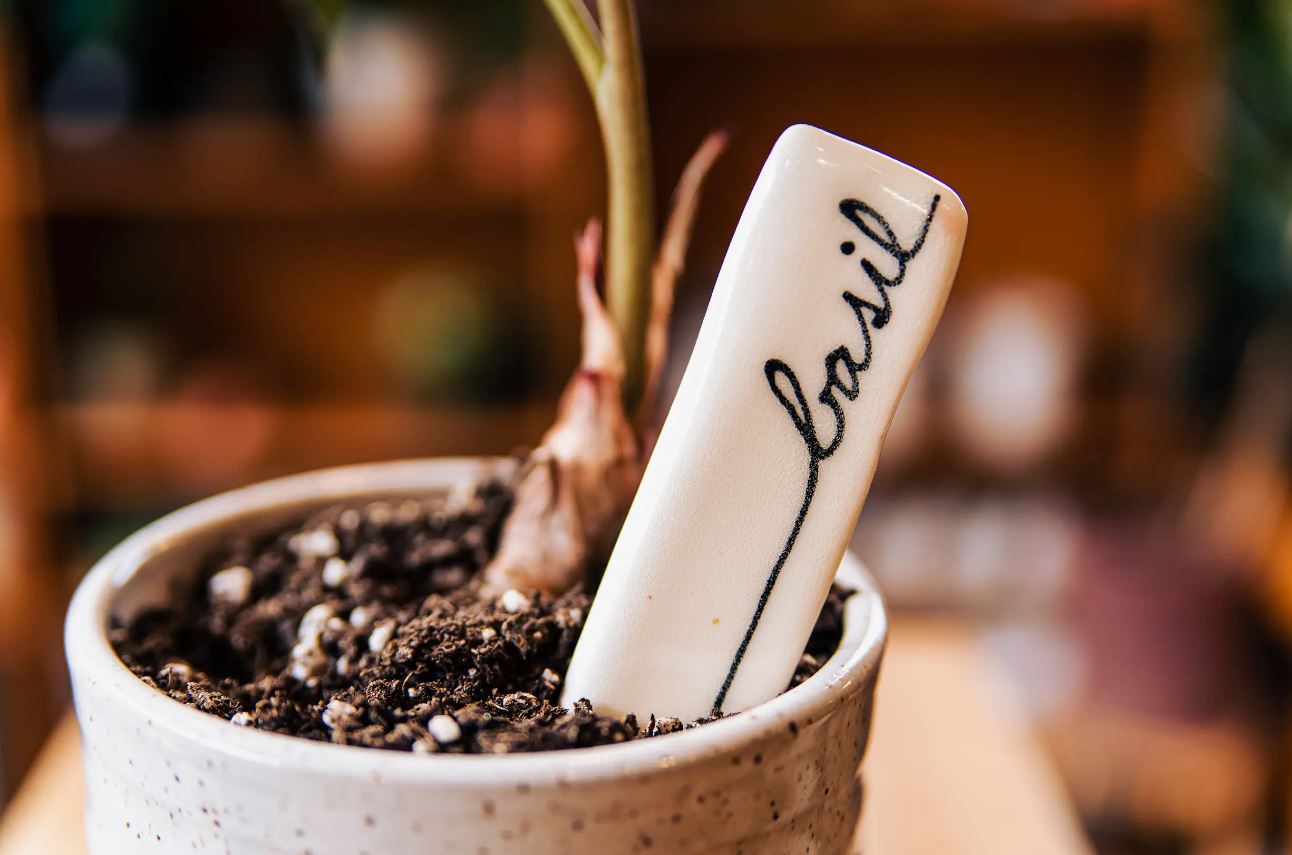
(630, 227)
(581, 34)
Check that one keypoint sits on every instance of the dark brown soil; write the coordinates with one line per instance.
(364, 625)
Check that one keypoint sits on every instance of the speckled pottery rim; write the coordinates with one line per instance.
(846, 680)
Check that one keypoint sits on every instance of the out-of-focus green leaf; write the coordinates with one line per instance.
(320, 19)
(326, 13)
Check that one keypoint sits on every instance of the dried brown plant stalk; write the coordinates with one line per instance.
(573, 490)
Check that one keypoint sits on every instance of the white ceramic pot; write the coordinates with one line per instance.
(162, 777)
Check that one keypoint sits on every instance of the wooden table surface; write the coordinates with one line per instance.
(952, 769)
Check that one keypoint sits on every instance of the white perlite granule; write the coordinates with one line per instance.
(243, 719)
(379, 513)
(308, 661)
(408, 511)
(361, 616)
(231, 586)
(336, 572)
(514, 601)
(381, 636)
(338, 712)
(444, 728)
(314, 621)
(566, 618)
(320, 543)
(176, 672)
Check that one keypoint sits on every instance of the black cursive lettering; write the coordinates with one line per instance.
(843, 370)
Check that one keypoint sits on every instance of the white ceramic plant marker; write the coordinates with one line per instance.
(831, 288)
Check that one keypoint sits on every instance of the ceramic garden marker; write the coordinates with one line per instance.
(831, 288)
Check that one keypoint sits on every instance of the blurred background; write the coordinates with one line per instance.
(228, 253)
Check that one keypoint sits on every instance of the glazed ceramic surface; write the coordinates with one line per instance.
(162, 777)
(832, 286)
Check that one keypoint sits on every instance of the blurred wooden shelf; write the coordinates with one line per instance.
(952, 769)
(147, 453)
(992, 24)
(262, 166)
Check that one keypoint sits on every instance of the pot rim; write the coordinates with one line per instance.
(91, 657)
